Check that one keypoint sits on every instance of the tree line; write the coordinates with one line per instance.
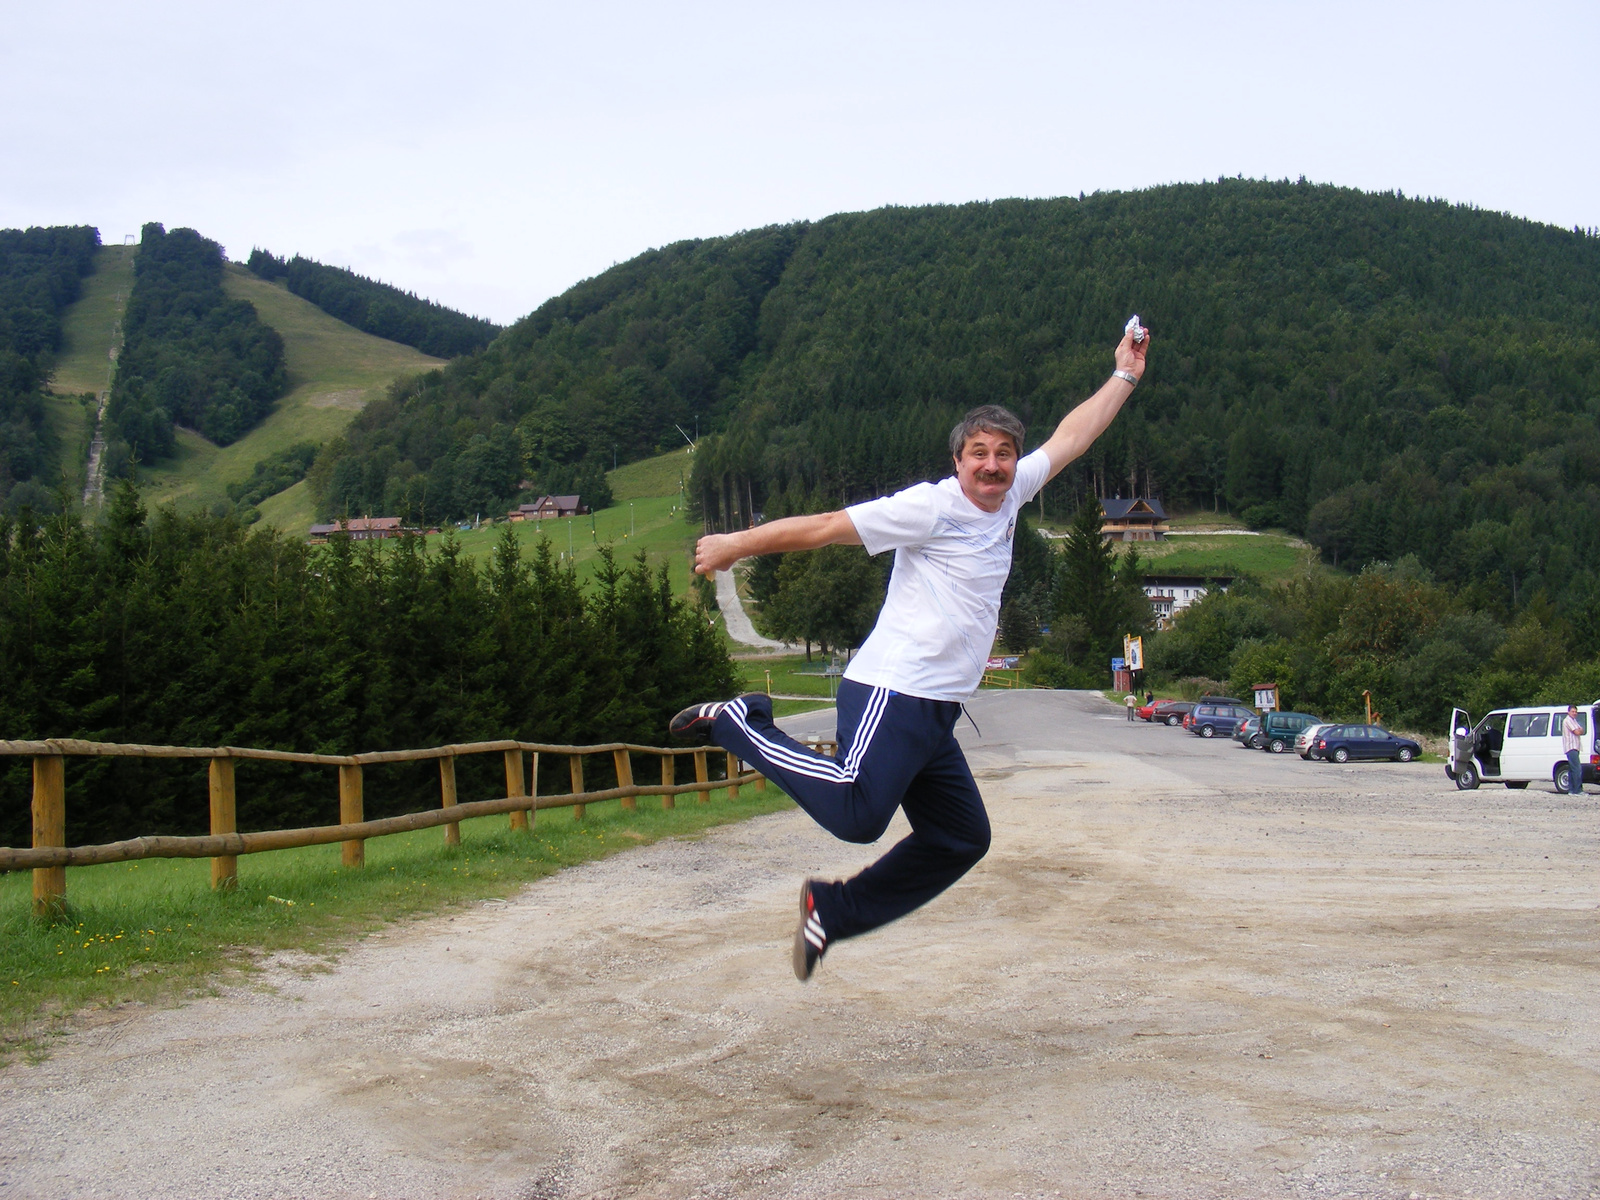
(194, 630)
(41, 270)
(1384, 375)
(377, 308)
(190, 355)
(1419, 646)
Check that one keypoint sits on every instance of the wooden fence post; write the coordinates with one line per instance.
(224, 819)
(624, 763)
(702, 774)
(733, 775)
(351, 809)
(761, 783)
(575, 763)
(447, 797)
(515, 787)
(533, 792)
(49, 829)
(669, 776)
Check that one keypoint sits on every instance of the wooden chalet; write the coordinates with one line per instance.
(547, 508)
(1136, 520)
(360, 529)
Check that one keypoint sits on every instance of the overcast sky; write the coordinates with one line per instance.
(490, 155)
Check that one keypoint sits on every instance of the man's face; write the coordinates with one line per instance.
(987, 468)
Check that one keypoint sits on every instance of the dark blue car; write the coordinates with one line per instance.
(1341, 743)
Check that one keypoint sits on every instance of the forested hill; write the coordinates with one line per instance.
(190, 356)
(377, 308)
(1387, 375)
(40, 274)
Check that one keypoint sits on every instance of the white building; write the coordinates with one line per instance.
(1171, 594)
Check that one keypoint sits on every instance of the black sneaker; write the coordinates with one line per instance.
(810, 941)
(694, 724)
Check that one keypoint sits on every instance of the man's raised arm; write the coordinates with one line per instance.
(719, 551)
(1080, 427)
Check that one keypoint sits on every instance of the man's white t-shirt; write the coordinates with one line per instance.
(951, 560)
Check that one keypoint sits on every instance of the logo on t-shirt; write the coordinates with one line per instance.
(1011, 526)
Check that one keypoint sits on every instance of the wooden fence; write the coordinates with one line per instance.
(50, 856)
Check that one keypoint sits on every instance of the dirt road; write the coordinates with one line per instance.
(1184, 970)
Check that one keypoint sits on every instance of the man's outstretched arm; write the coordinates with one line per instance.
(1080, 427)
(719, 551)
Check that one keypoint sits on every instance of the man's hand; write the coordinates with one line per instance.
(1130, 354)
(716, 552)
(719, 551)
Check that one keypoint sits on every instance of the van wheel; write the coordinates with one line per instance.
(1341, 755)
(1562, 779)
(1207, 731)
(1405, 754)
(1276, 746)
(1516, 785)
(1174, 719)
(1466, 777)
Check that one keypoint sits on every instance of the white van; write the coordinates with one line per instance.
(1516, 746)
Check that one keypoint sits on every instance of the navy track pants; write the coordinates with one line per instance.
(895, 751)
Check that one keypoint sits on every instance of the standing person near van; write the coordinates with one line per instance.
(1572, 743)
(903, 691)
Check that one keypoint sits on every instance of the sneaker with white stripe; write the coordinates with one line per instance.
(810, 939)
(694, 724)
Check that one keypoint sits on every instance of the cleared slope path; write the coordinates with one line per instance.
(736, 619)
(1184, 970)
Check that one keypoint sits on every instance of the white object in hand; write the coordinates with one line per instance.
(1136, 329)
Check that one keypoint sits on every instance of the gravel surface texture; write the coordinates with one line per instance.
(1184, 970)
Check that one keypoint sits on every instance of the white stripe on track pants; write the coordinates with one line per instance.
(895, 751)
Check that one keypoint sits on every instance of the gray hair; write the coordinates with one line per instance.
(987, 418)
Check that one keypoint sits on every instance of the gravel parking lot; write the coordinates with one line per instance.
(1184, 970)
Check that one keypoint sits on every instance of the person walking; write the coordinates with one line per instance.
(1572, 742)
(902, 693)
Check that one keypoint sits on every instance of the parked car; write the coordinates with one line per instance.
(1305, 744)
(1341, 743)
(1280, 729)
(1247, 732)
(1208, 720)
(1515, 746)
(1144, 711)
(1171, 712)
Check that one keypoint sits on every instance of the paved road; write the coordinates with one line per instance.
(1184, 970)
(736, 620)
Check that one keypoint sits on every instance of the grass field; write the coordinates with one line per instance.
(88, 329)
(1268, 555)
(334, 370)
(153, 930)
(648, 515)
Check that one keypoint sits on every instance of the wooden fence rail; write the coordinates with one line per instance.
(50, 856)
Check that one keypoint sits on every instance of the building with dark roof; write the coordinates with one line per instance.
(1137, 520)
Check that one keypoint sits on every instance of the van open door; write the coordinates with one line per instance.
(1460, 766)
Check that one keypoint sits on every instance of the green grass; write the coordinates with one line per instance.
(1269, 555)
(88, 332)
(655, 524)
(88, 326)
(334, 370)
(790, 673)
(153, 931)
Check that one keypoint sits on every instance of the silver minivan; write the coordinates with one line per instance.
(1516, 746)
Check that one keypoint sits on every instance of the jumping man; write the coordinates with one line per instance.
(901, 694)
